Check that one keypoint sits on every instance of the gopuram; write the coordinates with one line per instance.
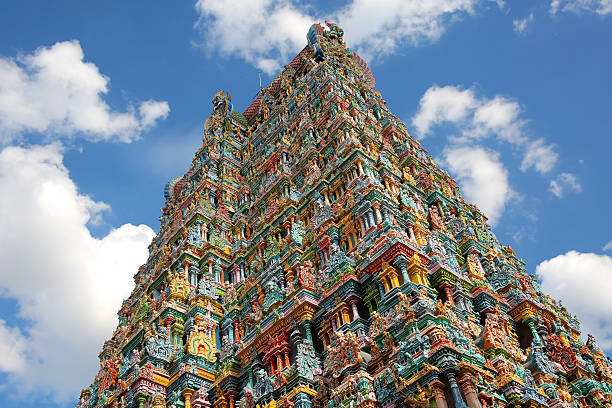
(314, 256)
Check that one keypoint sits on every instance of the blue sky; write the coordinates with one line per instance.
(101, 104)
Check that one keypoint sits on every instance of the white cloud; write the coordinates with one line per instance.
(583, 282)
(563, 183)
(55, 91)
(608, 246)
(151, 111)
(601, 7)
(379, 28)
(443, 104)
(67, 283)
(482, 177)
(498, 116)
(12, 348)
(478, 118)
(539, 155)
(521, 24)
(266, 33)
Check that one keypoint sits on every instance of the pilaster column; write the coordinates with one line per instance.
(402, 263)
(301, 400)
(438, 390)
(187, 393)
(371, 218)
(326, 195)
(279, 362)
(232, 397)
(353, 303)
(360, 167)
(534, 332)
(210, 268)
(459, 403)
(467, 386)
(377, 212)
(307, 324)
(362, 225)
(411, 231)
(381, 290)
(141, 398)
(186, 270)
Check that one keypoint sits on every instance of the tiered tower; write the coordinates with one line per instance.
(315, 256)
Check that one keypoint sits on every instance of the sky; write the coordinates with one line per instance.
(103, 103)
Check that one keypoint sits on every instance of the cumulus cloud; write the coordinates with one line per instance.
(12, 348)
(68, 284)
(53, 90)
(584, 282)
(483, 178)
(443, 104)
(608, 246)
(151, 111)
(539, 155)
(521, 24)
(601, 7)
(478, 118)
(563, 183)
(379, 28)
(266, 33)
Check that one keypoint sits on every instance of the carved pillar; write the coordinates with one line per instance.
(325, 194)
(438, 390)
(353, 303)
(232, 397)
(467, 386)
(531, 323)
(362, 225)
(371, 219)
(141, 398)
(301, 400)
(186, 270)
(279, 362)
(203, 232)
(307, 324)
(187, 393)
(381, 291)
(345, 318)
(459, 403)
(411, 232)
(210, 268)
(401, 263)
(377, 212)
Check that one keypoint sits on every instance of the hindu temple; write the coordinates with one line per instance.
(315, 256)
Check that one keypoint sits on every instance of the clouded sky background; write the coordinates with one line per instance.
(102, 103)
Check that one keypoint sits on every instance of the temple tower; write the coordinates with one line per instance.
(314, 255)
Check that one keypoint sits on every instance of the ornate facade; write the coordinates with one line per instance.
(314, 255)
